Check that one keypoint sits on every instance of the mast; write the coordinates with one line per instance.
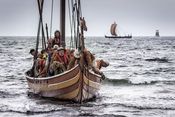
(62, 21)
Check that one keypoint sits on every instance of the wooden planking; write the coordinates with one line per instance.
(91, 83)
(71, 95)
(64, 84)
(55, 79)
(63, 91)
(69, 87)
(56, 86)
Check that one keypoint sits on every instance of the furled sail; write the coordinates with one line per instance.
(113, 29)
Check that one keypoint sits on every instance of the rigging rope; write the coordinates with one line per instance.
(75, 6)
(71, 24)
(78, 23)
(74, 22)
(51, 21)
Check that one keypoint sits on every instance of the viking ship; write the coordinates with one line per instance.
(157, 33)
(114, 34)
(77, 84)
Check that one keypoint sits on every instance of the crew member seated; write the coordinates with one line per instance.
(61, 56)
(56, 68)
(44, 54)
(74, 60)
(100, 63)
(33, 52)
(41, 66)
(70, 53)
(49, 48)
(94, 64)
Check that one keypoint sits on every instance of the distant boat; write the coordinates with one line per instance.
(114, 34)
(157, 33)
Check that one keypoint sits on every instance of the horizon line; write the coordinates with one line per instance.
(87, 36)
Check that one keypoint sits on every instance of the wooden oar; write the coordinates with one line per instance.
(49, 59)
(47, 32)
(40, 8)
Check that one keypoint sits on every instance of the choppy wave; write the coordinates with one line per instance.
(170, 69)
(143, 61)
(95, 115)
(161, 60)
(127, 82)
(4, 94)
(30, 112)
(146, 107)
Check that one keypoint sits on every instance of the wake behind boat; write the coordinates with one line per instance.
(68, 74)
(129, 36)
(114, 34)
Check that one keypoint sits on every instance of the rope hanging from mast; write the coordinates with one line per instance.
(81, 26)
(76, 21)
(71, 24)
(51, 18)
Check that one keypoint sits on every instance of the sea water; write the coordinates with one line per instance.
(140, 81)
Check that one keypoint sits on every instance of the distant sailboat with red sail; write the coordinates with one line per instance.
(114, 34)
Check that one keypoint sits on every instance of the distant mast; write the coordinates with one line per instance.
(113, 29)
(157, 33)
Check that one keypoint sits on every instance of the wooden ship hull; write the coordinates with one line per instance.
(118, 36)
(72, 85)
(113, 31)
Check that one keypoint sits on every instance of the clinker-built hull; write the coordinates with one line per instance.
(73, 85)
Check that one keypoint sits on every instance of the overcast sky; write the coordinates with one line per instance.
(139, 17)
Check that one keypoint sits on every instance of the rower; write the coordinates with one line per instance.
(32, 52)
(56, 68)
(74, 60)
(70, 53)
(41, 66)
(61, 56)
(49, 48)
(89, 58)
(101, 63)
(93, 64)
